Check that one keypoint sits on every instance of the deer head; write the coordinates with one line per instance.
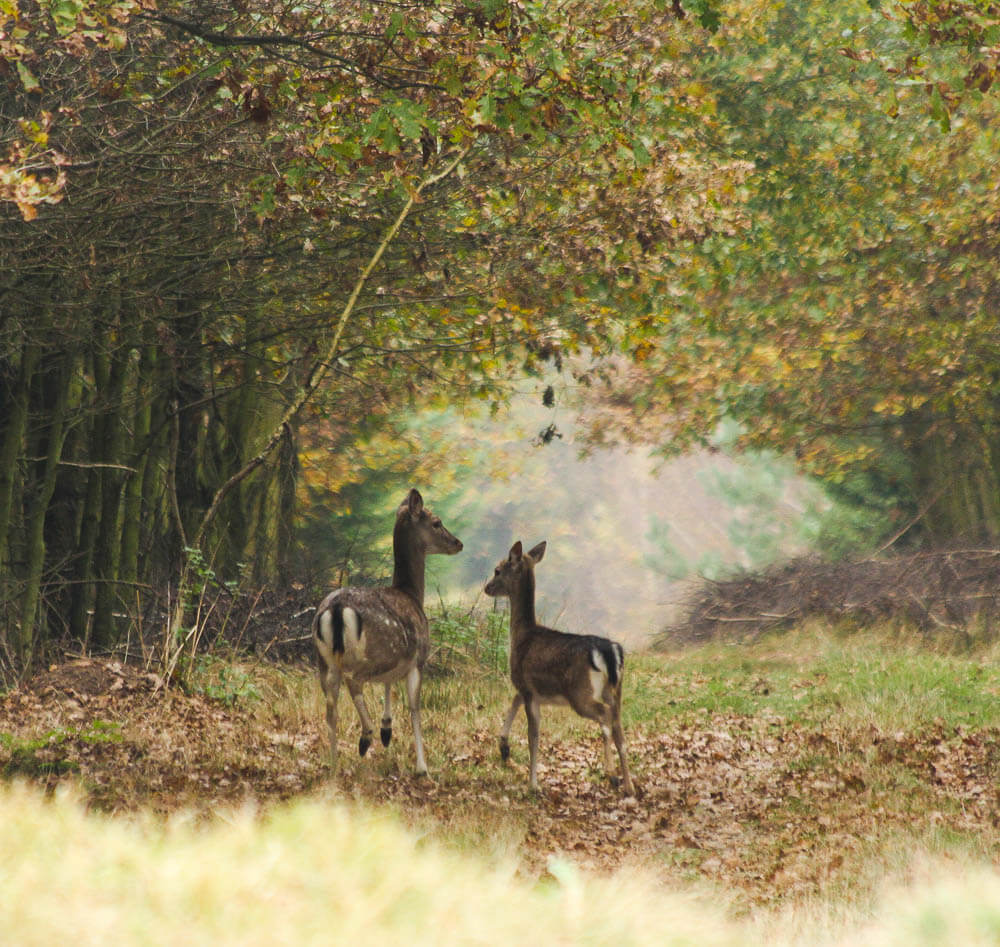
(420, 528)
(516, 568)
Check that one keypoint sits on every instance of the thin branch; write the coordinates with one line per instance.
(916, 519)
(322, 365)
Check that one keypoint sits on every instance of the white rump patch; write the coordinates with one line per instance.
(598, 677)
(324, 640)
(352, 637)
(353, 646)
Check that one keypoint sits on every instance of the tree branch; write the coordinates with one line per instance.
(321, 366)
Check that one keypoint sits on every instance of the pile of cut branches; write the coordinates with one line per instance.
(931, 590)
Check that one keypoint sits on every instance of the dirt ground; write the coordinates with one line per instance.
(769, 808)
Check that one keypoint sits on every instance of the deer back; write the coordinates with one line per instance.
(376, 633)
(547, 662)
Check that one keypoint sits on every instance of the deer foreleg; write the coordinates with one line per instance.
(508, 722)
(358, 696)
(413, 680)
(386, 732)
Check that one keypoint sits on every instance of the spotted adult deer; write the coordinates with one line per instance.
(552, 667)
(380, 635)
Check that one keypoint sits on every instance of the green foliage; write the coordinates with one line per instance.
(219, 679)
(707, 13)
(471, 638)
(848, 318)
(665, 558)
(770, 513)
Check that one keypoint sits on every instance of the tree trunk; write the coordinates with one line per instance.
(158, 560)
(11, 450)
(90, 518)
(67, 394)
(108, 548)
(133, 507)
(956, 473)
(287, 476)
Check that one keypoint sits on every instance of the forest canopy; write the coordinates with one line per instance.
(234, 235)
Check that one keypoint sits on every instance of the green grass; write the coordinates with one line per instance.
(880, 678)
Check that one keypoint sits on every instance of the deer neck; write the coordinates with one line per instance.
(408, 566)
(522, 606)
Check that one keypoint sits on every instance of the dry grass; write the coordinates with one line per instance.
(321, 872)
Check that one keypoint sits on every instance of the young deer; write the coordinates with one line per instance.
(380, 635)
(552, 667)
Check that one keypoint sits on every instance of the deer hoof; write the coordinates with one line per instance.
(363, 745)
(386, 734)
(504, 749)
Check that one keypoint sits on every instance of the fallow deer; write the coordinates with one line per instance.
(380, 635)
(553, 667)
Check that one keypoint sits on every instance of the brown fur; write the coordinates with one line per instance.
(380, 635)
(549, 666)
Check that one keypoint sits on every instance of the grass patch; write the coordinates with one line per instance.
(44, 757)
(886, 679)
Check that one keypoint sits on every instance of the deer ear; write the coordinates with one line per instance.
(537, 553)
(515, 552)
(415, 502)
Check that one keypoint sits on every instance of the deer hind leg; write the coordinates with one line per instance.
(533, 711)
(608, 766)
(606, 712)
(413, 680)
(331, 691)
(508, 722)
(619, 738)
(386, 732)
(358, 696)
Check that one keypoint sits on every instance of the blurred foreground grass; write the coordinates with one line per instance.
(323, 872)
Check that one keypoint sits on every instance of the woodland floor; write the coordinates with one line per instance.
(755, 803)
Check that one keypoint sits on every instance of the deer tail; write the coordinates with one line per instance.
(609, 657)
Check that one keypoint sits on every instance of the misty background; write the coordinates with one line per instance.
(628, 532)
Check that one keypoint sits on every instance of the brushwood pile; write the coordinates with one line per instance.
(943, 590)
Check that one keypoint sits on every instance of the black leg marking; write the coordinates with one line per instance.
(504, 749)
(386, 734)
(363, 745)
